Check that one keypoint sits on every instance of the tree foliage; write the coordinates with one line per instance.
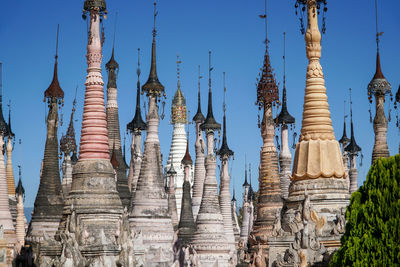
(372, 236)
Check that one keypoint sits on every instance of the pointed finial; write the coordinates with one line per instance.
(378, 34)
(178, 74)
(224, 150)
(19, 190)
(115, 29)
(155, 15)
(199, 115)
(224, 103)
(352, 147)
(284, 59)
(209, 70)
(245, 184)
(138, 71)
(10, 132)
(58, 30)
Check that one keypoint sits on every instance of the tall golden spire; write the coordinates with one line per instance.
(317, 153)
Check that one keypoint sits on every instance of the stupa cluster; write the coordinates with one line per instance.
(105, 212)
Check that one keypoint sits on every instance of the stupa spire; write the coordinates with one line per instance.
(113, 128)
(284, 119)
(9, 165)
(149, 207)
(199, 169)
(136, 126)
(49, 200)
(270, 193)
(210, 230)
(224, 154)
(179, 141)
(344, 140)
(20, 221)
(379, 87)
(354, 150)
(186, 226)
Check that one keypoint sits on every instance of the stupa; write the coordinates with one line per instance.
(136, 126)
(308, 229)
(199, 168)
(49, 202)
(149, 215)
(114, 135)
(209, 239)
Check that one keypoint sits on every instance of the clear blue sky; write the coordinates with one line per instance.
(235, 34)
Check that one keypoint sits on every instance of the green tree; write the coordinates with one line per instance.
(372, 236)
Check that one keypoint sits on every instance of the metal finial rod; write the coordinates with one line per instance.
(178, 73)
(284, 59)
(250, 173)
(155, 15)
(199, 79)
(209, 70)
(224, 103)
(58, 30)
(266, 24)
(19, 171)
(115, 28)
(1, 84)
(351, 106)
(344, 109)
(138, 71)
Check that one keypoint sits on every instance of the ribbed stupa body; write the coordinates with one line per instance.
(5, 214)
(209, 240)
(114, 138)
(172, 202)
(380, 149)
(270, 193)
(186, 226)
(49, 200)
(11, 182)
(353, 173)
(149, 208)
(285, 161)
(225, 204)
(177, 151)
(136, 161)
(67, 175)
(20, 222)
(93, 211)
(235, 223)
(199, 170)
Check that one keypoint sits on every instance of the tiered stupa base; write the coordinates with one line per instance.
(312, 223)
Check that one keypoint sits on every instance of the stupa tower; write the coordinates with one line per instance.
(244, 230)
(186, 226)
(285, 120)
(178, 143)
(68, 147)
(49, 200)
(136, 126)
(149, 208)
(199, 169)
(209, 239)
(344, 141)
(93, 210)
(224, 154)
(171, 190)
(235, 221)
(114, 135)
(9, 169)
(270, 193)
(379, 87)
(353, 150)
(20, 221)
(5, 216)
(313, 221)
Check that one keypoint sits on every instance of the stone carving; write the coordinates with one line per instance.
(125, 241)
(339, 227)
(277, 228)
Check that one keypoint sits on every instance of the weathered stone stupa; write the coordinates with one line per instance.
(171, 176)
(270, 193)
(68, 147)
(209, 240)
(8, 238)
(308, 230)
(21, 220)
(186, 226)
(199, 168)
(114, 135)
(379, 87)
(285, 120)
(353, 151)
(178, 143)
(136, 126)
(344, 141)
(94, 229)
(245, 227)
(235, 221)
(49, 200)
(224, 154)
(9, 170)
(149, 214)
